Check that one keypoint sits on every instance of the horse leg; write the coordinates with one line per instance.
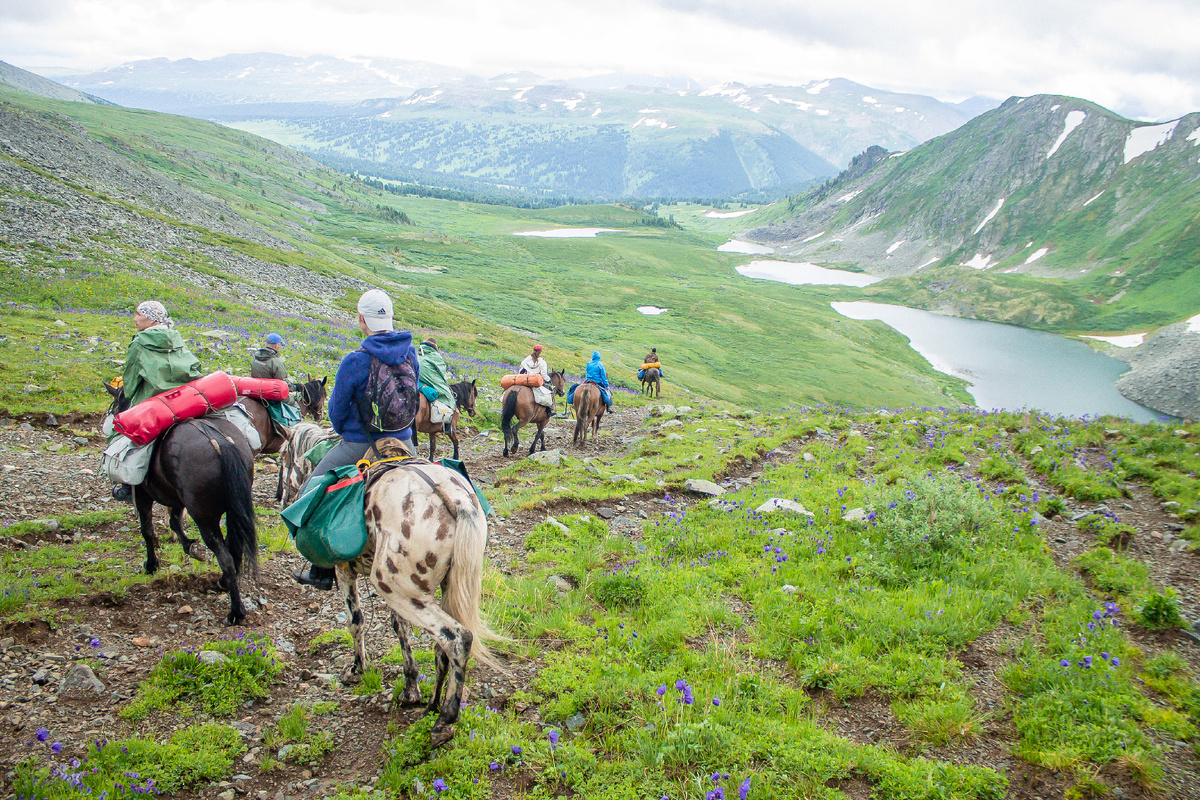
(442, 662)
(432, 445)
(348, 584)
(210, 531)
(453, 438)
(188, 545)
(452, 643)
(145, 505)
(412, 692)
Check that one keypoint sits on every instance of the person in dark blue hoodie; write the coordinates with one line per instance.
(389, 346)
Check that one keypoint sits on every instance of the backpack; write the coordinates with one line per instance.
(390, 399)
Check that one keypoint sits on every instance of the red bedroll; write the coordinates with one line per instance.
(145, 421)
(262, 388)
(529, 379)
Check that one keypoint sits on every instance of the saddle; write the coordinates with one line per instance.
(394, 456)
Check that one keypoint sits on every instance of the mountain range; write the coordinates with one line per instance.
(599, 137)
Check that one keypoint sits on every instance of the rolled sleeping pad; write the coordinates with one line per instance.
(145, 421)
(533, 379)
(262, 388)
(651, 365)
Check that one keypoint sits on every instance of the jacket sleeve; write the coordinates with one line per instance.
(131, 377)
(278, 370)
(346, 385)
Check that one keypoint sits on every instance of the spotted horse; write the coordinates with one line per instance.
(426, 530)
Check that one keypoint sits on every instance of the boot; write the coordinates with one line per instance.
(316, 577)
(123, 492)
(446, 429)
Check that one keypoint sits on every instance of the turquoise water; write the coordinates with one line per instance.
(1012, 368)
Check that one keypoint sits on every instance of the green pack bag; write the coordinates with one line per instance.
(283, 413)
(461, 469)
(327, 521)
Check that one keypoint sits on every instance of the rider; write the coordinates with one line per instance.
(594, 372)
(433, 381)
(389, 346)
(534, 364)
(267, 362)
(157, 361)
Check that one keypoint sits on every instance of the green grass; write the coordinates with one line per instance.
(131, 767)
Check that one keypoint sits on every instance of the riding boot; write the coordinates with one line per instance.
(316, 577)
(123, 492)
(446, 429)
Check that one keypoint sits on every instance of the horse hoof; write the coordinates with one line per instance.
(150, 567)
(235, 618)
(440, 735)
(412, 698)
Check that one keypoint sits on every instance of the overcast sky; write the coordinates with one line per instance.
(1140, 58)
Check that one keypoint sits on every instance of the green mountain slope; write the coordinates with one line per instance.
(104, 206)
(1100, 210)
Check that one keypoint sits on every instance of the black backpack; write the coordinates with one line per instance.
(389, 401)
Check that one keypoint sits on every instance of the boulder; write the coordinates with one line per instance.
(700, 486)
(662, 411)
(80, 678)
(558, 525)
(672, 423)
(782, 504)
(558, 583)
(624, 478)
(211, 657)
(551, 458)
(855, 515)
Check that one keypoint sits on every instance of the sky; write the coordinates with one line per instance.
(1140, 58)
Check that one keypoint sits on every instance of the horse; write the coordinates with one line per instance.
(312, 397)
(518, 402)
(589, 408)
(294, 468)
(464, 398)
(465, 393)
(651, 382)
(203, 466)
(426, 530)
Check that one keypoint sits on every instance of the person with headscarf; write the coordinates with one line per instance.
(534, 364)
(433, 384)
(157, 360)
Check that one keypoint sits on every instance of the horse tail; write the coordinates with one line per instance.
(464, 584)
(583, 412)
(240, 534)
(509, 411)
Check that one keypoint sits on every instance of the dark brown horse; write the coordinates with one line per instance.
(651, 382)
(589, 409)
(464, 399)
(518, 404)
(203, 466)
(311, 400)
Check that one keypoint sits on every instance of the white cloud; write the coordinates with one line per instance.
(1138, 57)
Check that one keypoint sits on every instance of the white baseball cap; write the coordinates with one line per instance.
(376, 309)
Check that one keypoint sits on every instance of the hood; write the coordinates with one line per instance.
(595, 355)
(390, 347)
(160, 340)
(265, 354)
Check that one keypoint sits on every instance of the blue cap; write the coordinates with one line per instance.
(274, 338)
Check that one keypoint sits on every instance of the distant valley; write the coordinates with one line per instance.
(598, 138)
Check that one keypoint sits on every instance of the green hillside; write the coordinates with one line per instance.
(242, 234)
(1049, 211)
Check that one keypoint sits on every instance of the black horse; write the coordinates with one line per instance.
(203, 466)
(312, 397)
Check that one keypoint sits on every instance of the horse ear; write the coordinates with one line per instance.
(324, 379)
(112, 390)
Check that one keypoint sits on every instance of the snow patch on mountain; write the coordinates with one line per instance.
(1073, 121)
(1035, 255)
(988, 218)
(651, 122)
(894, 247)
(1143, 140)
(979, 261)
(1193, 324)
(1128, 340)
(816, 89)
(1093, 198)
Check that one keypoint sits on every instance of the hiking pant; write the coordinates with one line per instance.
(342, 454)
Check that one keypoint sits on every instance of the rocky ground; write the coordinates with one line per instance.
(50, 471)
(1163, 371)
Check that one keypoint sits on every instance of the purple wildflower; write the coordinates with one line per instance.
(744, 790)
(553, 737)
(516, 750)
(56, 747)
(661, 690)
(439, 785)
(42, 734)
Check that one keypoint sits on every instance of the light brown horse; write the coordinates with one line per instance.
(425, 425)
(589, 408)
(518, 404)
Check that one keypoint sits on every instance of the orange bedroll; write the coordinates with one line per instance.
(262, 388)
(533, 379)
(145, 421)
(654, 365)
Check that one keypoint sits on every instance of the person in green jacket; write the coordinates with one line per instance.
(267, 362)
(157, 361)
(432, 368)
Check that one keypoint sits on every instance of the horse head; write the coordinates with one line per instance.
(465, 393)
(559, 381)
(312, 398)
